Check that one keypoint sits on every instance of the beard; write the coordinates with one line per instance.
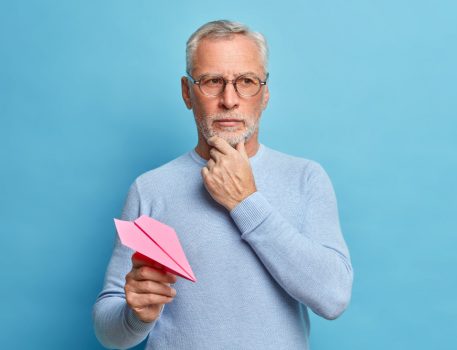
(232, 134)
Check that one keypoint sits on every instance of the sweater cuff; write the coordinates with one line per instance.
(136, 324)
(251, 212)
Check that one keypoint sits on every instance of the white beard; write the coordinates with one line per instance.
(233, 135)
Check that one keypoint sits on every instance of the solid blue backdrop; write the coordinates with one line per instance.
(90, 99)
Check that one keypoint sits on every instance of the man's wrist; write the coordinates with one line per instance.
(250, 212)
(234, 204)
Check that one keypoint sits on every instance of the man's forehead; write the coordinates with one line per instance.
(234, 54)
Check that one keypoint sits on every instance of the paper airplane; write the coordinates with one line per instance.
(157, 242)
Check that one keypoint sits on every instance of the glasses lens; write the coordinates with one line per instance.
(211, 85)
(248, 85)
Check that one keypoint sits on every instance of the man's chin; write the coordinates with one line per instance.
(232, 138)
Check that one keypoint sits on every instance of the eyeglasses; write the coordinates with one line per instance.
(246, 85)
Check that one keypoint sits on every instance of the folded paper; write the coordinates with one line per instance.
(156, 241)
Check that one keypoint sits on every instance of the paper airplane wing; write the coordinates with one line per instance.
(156, 241)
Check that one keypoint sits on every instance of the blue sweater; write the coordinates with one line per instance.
(259, 267)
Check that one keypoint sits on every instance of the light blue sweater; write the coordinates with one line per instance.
(259, 267)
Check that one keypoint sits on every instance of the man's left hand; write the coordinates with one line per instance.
(228, 175)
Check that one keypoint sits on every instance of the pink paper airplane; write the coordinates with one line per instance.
(157, 242)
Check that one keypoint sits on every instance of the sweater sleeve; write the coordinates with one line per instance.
(115, 324)
(310, 263)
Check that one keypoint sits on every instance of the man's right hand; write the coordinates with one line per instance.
(147, 288)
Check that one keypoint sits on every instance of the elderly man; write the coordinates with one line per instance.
(260, 228)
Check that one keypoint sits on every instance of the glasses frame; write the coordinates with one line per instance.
(227, 81)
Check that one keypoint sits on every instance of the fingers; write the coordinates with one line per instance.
(210, 164)
(150, 287)
(139, 260)
(146, 269)
(240, 148)
(148, 273)
(135, 300)
(219, 143)
(220, 147)
(215, 154)
(142, 262)
(205, 172)
(147, 287)
(207, 168)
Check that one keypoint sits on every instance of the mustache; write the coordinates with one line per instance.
(226, 116)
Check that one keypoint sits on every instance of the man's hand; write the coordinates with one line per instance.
(228, 175)
(147, 289)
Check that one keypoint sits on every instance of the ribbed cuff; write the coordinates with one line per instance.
(136, 324)
(251, 212)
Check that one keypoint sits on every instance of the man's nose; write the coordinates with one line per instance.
(230, 98)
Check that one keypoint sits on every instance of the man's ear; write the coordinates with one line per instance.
(265, 97)
(185, 90)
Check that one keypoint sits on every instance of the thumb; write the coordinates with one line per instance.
(240, 148)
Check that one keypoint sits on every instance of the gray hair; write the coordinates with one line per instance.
(224, 29)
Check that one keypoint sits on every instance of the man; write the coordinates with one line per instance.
(260, 228)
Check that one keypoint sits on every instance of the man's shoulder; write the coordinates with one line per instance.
(288, 161)
(295, 168)
(174, 168)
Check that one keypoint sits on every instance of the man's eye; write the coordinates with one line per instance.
(213, 81)
(246, 81)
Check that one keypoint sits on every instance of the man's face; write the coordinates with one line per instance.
(228, 58)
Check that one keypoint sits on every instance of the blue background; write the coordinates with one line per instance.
(90, 98)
